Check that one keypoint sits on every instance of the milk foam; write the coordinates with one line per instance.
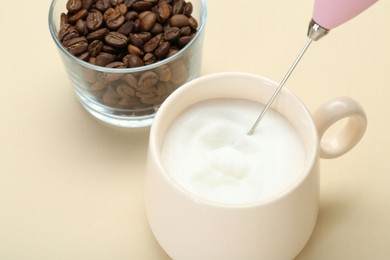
(208, 152)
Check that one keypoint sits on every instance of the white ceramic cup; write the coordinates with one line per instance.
(190, 227)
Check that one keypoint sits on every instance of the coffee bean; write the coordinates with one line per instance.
(125, 90)
(81, 27)
(74, 5)
(163, 73)
(163, 49)
(153, 43)
(141, 6)
(87, 4)
(97, 35)
(116, 2)
(164, 11)
(116, 39)
(63, 19)
(172, 33)
(131, 80)
(104, 58)
(147, 80)
(157, 28)
(122, 9)
(145, 36)
(81, 14)
(133, 61)
(193, 23)
(149, 58)
(84, 56)
(148, 21)
(183, 41)
(132, 49)
(116, 23)
(179, 20)
(110, 77)
(109, 49)
(136, 40)
(77, 45)
(178, 7)
(185, 31)
(94, 20)
(188, 8)
(102, 5)
(126, 28)
(95, 47)
(131, 16)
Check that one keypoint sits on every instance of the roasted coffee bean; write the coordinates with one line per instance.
(163, 73)
(131, 16)
(145, 36)
(143, 14)
(122, 9)
(77, 45)
(131, 80)
(141, 6)
(133, 61)
(104, 58)
(116, 65)
(178, 7)
(185, 31)
(87, 4)
(110, 77)
(157, 28)
(163, 11)
(81, 27)
(172, 33)
(136, 40)
(116, 23)
(81, 14)
(63, 19)
(116, 39)
(188, 8)
(125, 90)
(74, 5)
(149, 58)
(147, 80)
(116, 2)
(95, 47)
(97, 35)
(65, 30)
(126, 28)
(94, 20)
(163, 49)
(148, 21)
(132, 49)
(183, 41)
(84, 56)
(98, 85)
(179, 20)
(193, 23)
(102, 5)
(109, 49)
(153, 43)
(110, 97)
(137, 26)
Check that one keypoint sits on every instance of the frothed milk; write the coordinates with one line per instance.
(208, 153)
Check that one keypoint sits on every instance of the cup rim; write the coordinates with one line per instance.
(154, 148)
(202, 24)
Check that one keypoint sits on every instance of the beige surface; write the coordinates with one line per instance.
(72, 188)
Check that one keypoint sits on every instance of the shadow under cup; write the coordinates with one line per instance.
(190, 227)
(95, 86)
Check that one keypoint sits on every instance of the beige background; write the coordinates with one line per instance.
(72, 187)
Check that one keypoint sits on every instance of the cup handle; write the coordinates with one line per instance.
(343, 141)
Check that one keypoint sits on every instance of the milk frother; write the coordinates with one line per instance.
(327, 15)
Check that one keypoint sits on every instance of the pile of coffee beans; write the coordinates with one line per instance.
(129, 34)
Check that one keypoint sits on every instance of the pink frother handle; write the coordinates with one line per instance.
(331, 13)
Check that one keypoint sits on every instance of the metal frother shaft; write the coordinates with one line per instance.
(330, 14)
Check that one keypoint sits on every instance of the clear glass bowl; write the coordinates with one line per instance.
(98, 88)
